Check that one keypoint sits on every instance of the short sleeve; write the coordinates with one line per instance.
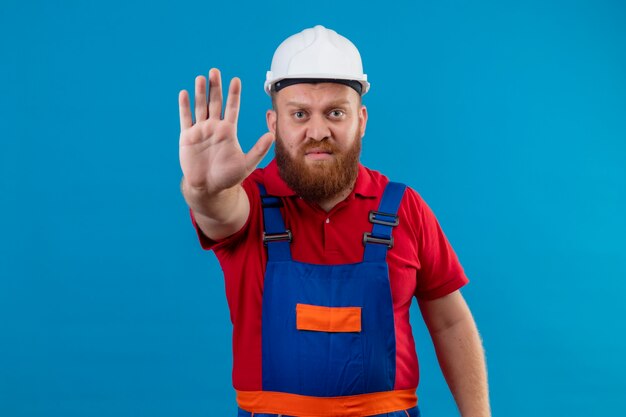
(440, 271)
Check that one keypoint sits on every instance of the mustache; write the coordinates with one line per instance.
(323, 146)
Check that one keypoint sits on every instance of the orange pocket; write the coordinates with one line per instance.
(328, 319)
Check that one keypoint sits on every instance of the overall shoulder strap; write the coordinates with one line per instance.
(384, 220)
(275, 236)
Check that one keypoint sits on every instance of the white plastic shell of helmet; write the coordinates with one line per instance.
(316, 53)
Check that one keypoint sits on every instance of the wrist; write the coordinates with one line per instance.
(186, 188)
(207, 203)
(196, 197)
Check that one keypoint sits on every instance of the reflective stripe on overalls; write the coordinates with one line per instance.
(328, 337)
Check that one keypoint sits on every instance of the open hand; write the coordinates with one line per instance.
(210, 155)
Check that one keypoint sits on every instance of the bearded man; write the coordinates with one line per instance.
(321, 255)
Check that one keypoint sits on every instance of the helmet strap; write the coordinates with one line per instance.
(279, 85)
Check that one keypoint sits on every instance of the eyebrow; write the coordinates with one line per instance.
(331, 104)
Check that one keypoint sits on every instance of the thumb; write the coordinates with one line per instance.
(259, 150)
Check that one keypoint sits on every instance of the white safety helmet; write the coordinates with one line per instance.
(313, 54)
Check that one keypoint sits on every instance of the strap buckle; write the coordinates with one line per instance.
(277, 237)
(368, 238)
(269, 201)
(386, 219)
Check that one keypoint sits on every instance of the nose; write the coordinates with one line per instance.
(318, 129)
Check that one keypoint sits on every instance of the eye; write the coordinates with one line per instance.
(299, 115)
(337, 113)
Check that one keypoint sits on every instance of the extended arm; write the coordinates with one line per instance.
(211, 158)
(459, 351)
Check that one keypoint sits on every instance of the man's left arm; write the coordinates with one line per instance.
(459, 351)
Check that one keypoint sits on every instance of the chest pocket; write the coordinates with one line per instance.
(328, 319)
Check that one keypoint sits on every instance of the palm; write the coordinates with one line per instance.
(210, 154)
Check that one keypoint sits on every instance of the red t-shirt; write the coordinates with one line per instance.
(421, 263)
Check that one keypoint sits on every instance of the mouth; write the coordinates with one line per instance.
(318, 154)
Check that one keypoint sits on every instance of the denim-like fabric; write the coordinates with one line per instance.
(412, 412)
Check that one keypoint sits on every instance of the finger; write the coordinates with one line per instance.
(215, 94)
(232, 103)
(184, 110)
(200, 100)
(259, 150)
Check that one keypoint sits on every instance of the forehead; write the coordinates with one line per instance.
(317, 94)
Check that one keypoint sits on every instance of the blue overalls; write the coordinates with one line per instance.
(328, 330)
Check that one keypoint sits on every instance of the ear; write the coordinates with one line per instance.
(270, 118)
(362, 119)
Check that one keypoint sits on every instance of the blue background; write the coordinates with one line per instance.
(508, 117)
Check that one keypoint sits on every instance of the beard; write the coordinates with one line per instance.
(318, 180)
